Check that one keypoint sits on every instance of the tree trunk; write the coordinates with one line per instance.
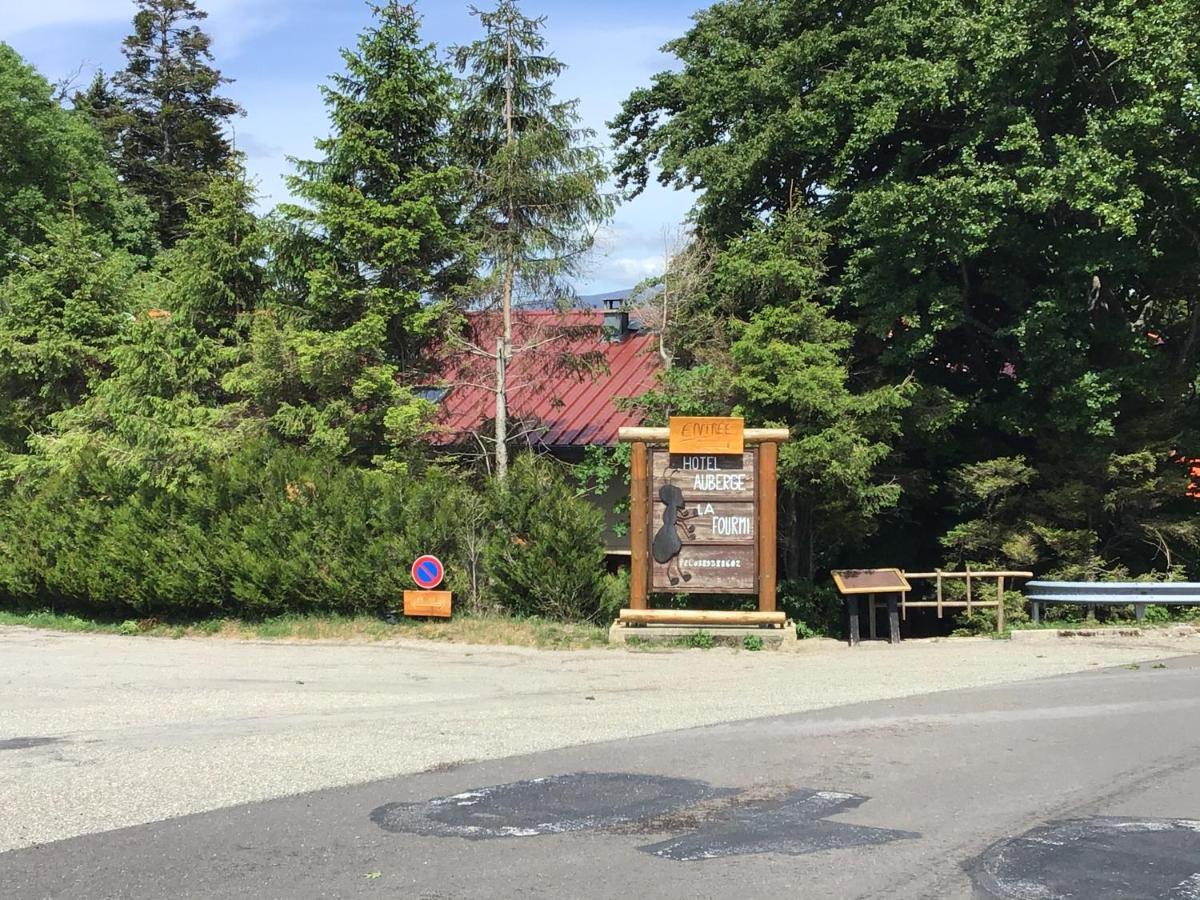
(812, 551)
(504, 345)
(503, 354)
(791, 558)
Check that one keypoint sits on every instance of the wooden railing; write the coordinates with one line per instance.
(970, 602)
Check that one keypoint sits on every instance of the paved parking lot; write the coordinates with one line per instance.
(99, 732)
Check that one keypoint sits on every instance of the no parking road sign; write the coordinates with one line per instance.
(428, 572)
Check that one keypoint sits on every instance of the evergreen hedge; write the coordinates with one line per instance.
(272, 530)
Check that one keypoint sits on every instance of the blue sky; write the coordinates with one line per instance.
(280, 51)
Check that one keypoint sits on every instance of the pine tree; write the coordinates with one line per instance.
(60, 312)
(358, 269)
(173, 135)
(536, 186)
(378, 230)
(101, 104)
(160, 414)
(215, 273)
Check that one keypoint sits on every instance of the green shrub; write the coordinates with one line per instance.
(817, 609)
(983, 621)
(804, 632)
(264, 532)
(1157, 615)
(273, 530)
(544, 556)
(752, 642)
(616, 594)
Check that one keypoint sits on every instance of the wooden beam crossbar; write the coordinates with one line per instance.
(700, 617)
(634, 433)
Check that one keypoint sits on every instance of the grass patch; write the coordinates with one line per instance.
(1098, 625)
(502, 630)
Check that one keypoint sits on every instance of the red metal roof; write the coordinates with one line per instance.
(561, 390)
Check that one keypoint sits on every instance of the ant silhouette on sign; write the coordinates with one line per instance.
(667, 543)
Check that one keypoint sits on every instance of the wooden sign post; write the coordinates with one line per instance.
(703, 514)
(853, 582)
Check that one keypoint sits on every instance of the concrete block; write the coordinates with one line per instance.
(722, 635)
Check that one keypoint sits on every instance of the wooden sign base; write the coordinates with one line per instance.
(427, 603)
(711, 617)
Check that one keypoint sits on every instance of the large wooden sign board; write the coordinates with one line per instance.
(703, 522)
(702, 512)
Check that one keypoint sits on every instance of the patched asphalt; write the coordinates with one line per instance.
(555, 805)
(1100, 858)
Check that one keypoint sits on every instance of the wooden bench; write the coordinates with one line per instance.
(1091, 594)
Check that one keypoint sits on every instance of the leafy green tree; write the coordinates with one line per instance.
(535, 190)
(1009, 191)
(53, 168)
(169, 119)
(777, 356)
(71, 242)
(361, 270)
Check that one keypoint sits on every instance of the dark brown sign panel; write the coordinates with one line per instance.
(704, 523)
(704, 477)
(716, 522)
(708, 568)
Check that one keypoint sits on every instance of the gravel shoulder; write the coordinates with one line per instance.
(101, 731)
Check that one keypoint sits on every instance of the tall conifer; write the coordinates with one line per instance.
(172, 133)
(536, 183)
(359, 267)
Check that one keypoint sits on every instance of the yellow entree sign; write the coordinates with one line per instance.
(706, 434)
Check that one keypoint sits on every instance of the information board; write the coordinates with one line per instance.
(870, 581)
(703, 522)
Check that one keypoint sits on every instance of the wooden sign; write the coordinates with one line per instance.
(706, 434)
(870, 581)
(703, 522)
(427, 603)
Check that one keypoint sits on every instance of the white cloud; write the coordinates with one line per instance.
(636, 268)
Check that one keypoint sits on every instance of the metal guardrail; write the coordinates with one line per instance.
(1112, 593)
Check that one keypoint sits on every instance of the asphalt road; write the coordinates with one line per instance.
(1084, 785)
(99, 732)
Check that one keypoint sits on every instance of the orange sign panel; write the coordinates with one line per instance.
(706, 434)
(427, 603)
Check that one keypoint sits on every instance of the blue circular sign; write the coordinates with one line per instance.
(428, 572)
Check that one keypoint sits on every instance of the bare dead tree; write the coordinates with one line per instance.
(660, 304)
